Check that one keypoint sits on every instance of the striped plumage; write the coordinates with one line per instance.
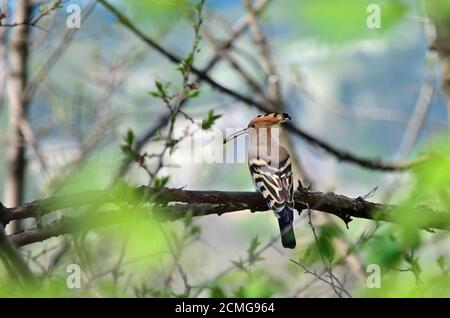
(275, 183)
(271, 171)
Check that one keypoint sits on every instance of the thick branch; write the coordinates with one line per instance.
(204, 203)
(11, 257)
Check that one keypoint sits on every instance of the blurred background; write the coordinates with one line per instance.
(366, 85)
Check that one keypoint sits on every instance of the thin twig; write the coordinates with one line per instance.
(34, 20)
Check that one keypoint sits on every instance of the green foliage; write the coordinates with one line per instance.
(127, 146)
(129, 137)
(384, 249)
(161, 90)
(344, 20)
(260, 285)
(439, 11)
(160, 182)
(43, 8)
(247, 284)
(49, 288)
(255, 243)
(217, 292)
(210, 119)
(324, 245)
(442, 263)
(161, 12)
(171, 143)
(240, 264)
(253, 256)
(398, 246)
(192, 93)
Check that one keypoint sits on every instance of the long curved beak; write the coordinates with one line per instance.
(234, 135)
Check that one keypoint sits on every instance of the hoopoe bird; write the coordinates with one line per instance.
(270, 167)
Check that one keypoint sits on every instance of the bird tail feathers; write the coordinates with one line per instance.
(286, 229)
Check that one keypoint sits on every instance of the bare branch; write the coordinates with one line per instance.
(54, 56)
(12, 259)
(267, 62)
(33, 21)
(208, 203)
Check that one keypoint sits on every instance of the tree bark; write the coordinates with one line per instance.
(18, 108)
(174, 204)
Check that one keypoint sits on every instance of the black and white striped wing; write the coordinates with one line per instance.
(274, 183)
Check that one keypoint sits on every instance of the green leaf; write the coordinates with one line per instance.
(172, 143)
(384, 249)
(210, 119)
(310, 255)
(326, 247)
(160, 87)
(324, 244)
(261, 285)
(160, 182)
(195, 230)
(239, 264)
(188, 218)
(189, 60)
(128, 152)
(198, 38)
(193, 93)
(129, 137)
(254, 245)
(181, 68)
(442, 263)
(154, 94)
(217, 292)
(331, 230)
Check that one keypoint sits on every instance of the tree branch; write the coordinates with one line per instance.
(34, 20)
(12, 258)
(66, 39)
(201, 203)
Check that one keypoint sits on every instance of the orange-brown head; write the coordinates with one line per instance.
(261, 121)
(268, 120)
